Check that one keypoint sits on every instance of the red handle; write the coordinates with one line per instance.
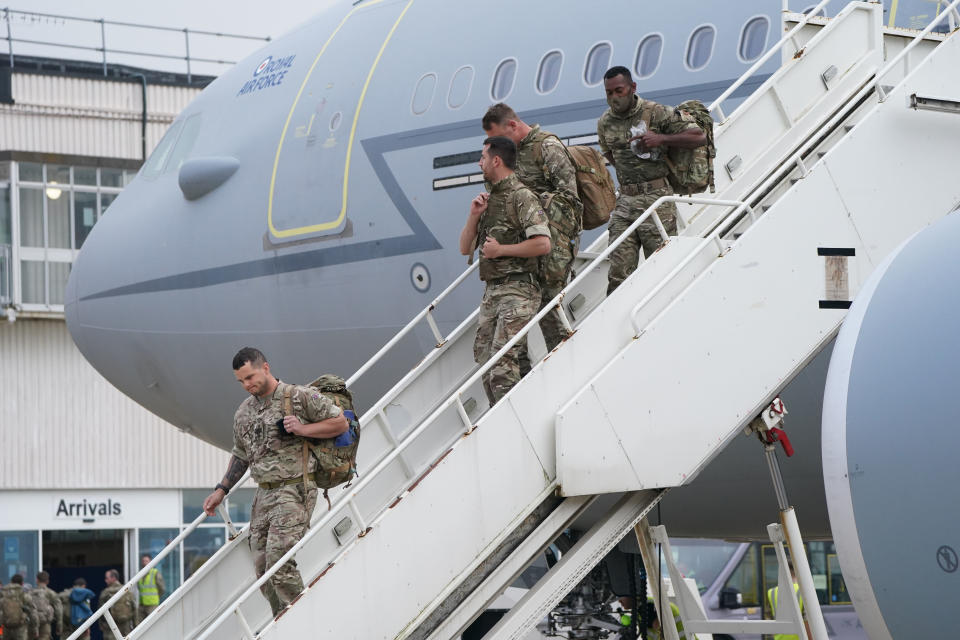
(781, 436)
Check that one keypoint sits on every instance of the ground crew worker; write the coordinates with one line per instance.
(269, 443)
(510, 229)
(151, 588)
(773, 599)
(544, 167)
(124, 611)
(641, 171)
(17, 613)
(49, 607)
(655, 631)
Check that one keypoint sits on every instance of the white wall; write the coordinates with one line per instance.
(62, 425)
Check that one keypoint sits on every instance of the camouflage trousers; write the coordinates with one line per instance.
(279, 519)
(144, 610)
(624, 259)
(555, 268)
(504, 311)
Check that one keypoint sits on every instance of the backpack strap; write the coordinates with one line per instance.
(305, 447)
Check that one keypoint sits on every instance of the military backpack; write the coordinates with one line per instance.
(124, 609)
(11, 611)
(44, 609)
(336, 457)
(594, 185)
(691, 170)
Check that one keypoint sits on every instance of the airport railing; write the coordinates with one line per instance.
(11, 16)
(717, 105)
(104, 611)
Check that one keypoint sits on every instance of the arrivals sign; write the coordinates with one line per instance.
(95, 509)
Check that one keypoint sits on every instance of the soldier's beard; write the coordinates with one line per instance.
(620, 104)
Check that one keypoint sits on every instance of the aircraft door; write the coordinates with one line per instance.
(310, 181)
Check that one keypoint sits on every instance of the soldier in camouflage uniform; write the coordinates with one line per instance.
(49, 609)
(270, 444)
(544, 167)
(642, 180)
(124, 611)
(17, 613)
(510, 229)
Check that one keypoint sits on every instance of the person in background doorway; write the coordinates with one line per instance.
(151, 589)
(80, 599)
(123, 611)
(17, 613)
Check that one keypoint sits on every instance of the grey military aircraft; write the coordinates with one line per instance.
(309, 201)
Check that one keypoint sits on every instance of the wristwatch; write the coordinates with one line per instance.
(222, 488)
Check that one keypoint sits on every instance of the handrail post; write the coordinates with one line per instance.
(103, 45)
(225, 514)
(6, 15)
(113, 625)
(186, 41)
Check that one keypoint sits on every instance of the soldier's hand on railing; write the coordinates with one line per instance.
(213, 501)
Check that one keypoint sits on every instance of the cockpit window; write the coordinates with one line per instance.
(648, 55)
(154, 164)
(753, 38)
(503, 79)
(183, 147)
(423, 94)
(700, 47)
(460, 85)
(598, 61)
(548, 75)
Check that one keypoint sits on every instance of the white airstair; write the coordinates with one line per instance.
(822, 172)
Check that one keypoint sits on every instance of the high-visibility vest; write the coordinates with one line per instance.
(149, 595)
(773, 596)
(653, 634)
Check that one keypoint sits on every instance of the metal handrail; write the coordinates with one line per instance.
(104, 610)
(103, 50)
(716, 105)
(903, 55)
(453, 398)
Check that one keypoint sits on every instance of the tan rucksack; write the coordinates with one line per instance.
(44, 609)
(336, 457)
(11, 611)
(594, 184)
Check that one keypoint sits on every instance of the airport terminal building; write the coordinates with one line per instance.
(89, 480)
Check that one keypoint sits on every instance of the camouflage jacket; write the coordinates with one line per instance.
(513, 215)
(273, 453)
(124, 609)
(613, 131)
(544, 167)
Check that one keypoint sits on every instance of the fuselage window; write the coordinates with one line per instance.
(753, 38)
(700, 47)
(548, 75)
(158, 158)
(503, 79)
(648, 55)
(423, 93)
(460, 85)
(598, 61)
(181, 150)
